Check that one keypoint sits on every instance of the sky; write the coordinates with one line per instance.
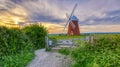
(94, 15)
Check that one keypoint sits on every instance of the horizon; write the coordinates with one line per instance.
(92, 33)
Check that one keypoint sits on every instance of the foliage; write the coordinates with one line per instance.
(65, 51)
(16, 45)
(17, 60)
(36, 34)
(105, 52)
(12, 41)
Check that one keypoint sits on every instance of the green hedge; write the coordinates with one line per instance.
(17, 45)
(36, 34)
(12, 41)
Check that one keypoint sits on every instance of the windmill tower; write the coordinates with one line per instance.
(73, 27)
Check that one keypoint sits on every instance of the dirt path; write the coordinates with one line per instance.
(47, 59)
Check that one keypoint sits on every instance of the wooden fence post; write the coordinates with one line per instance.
(46, 40)
(92, 40)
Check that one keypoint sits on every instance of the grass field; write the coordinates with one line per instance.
(66, 37)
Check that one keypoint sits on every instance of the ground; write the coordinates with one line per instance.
(48, 59)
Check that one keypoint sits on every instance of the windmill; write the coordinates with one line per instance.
(73, 27)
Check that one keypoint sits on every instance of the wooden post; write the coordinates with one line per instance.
(92, 40)
(46, 40)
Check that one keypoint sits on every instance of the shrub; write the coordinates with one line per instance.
(12, 41)
(17, 60)
(36, 34)
(16, 45)
(105, 53)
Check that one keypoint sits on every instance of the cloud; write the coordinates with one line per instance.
(41, 10)
(11, 13)
(100, 28)
(110, 17)
(55, 10)
(89, 12)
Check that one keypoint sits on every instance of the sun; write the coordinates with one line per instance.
(16, 20)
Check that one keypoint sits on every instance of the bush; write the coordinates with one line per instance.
(17, 45)
(105, 53)
(17, 60)
(13, 41)
(36, 34)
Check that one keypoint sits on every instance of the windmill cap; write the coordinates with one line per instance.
(74, 18)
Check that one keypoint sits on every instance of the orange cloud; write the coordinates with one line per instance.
(13, 17)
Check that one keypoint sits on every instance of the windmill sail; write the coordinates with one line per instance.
(72, 22)
(69, 18)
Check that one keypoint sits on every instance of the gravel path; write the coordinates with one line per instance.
(47, 59)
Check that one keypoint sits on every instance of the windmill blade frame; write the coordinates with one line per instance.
(70, 16)
(73, 10)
